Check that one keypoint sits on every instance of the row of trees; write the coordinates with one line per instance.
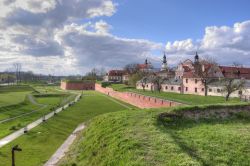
(15, 74)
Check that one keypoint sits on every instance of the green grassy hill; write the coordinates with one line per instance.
(42, 141)
(140, 138)
(10, 95)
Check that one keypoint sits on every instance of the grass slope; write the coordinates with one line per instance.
(138, 138)
(41, 142)
(9, 127)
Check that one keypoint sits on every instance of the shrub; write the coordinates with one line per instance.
(13, 128)
(105, 84)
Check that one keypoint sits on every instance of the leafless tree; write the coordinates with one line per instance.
(234, 82)
(231, 85)
(157, 80)
(131, 68)
(144, 82)
(17, 69)
(203, 69)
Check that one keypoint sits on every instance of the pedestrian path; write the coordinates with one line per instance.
(60, 153)
(20, 132)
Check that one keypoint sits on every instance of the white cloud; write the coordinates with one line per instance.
(43, 35)
(50, 37)
(226, 44)
(95, 49)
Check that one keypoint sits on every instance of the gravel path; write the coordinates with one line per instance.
(20, 132)
(60, 153)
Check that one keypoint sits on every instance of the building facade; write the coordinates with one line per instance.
(200, 78)
(77, 85)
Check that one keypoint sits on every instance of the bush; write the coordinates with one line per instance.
(13, 128)
(105, 84)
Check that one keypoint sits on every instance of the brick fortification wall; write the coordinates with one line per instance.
(77, 85)
(135, 99)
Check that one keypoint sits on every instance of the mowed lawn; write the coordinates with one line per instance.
(10, 98)
(183, 98)
(41, 142)
(9, 127)
(138, 138)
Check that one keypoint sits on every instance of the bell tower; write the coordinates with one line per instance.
(164, 65)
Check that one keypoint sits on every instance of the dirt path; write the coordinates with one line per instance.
(60, 153)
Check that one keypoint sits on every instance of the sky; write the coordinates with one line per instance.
(62, 37)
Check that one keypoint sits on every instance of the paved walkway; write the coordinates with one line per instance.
(60, 153)
(20, 132)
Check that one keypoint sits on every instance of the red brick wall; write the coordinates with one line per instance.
(135, 99)
(78, 85)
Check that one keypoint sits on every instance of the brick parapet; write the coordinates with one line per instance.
(136, 99)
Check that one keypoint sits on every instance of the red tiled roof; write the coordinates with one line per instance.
(235, 72)
(186, 68)
(190, 75)
(142, 66)
(116, 72)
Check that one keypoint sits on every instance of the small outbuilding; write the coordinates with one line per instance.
(78, 85)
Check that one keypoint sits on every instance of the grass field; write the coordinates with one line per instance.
(10, 95)
(41, 142)
(139, 138)
(183, 98)
(48, 102)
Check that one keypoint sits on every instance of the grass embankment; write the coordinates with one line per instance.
(10, 95)
(140, 138)
(47, 89)
(51, 101)
(41, 142)
(182, 98)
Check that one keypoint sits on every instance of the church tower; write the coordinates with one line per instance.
(164, 66)
(196, 58)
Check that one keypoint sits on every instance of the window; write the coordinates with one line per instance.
(172, 88)
(179, 88)
(202, 89)
(210, 90)
(196, 81)
(186, 80)
(147, 85)
(218, 90)
(186, 89)
(195, 89)
(240, 92)
(166, 87)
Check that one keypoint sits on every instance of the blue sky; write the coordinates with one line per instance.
(170, 20)
(73, 36)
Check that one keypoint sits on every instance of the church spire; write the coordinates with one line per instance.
(196, 58)
(164, 65)
(164, 58)
(146, 62)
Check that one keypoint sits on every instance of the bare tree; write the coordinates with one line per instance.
(144, 82)
(131, 68)
(17, 69)
(204, 70)
(157, 80)
(233, 82)
(231, 85)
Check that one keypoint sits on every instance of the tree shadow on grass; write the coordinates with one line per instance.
(172, 126)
